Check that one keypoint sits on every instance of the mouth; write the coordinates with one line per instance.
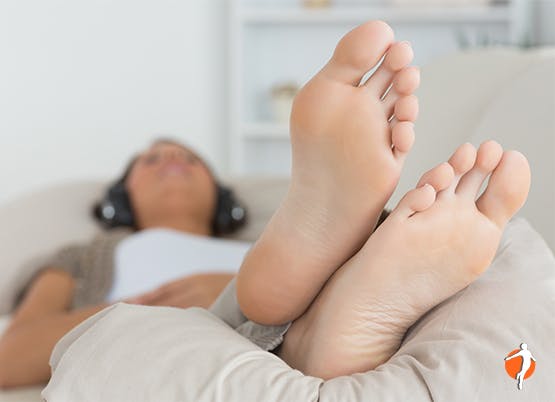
(174, 169)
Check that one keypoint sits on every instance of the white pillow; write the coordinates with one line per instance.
(454, 353)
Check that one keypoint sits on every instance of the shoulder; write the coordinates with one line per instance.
(110, 238)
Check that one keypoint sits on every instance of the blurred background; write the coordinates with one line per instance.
(83, 85)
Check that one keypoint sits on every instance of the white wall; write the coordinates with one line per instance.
(83, 85)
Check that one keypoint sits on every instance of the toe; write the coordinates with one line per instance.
(358, 51)
(463, 158)
(405, 83)
(402, 138)
(488, 157)
(439, 177)
(462, 161)
(406, 108)
(398, 57)
(416, 200)
(507, 188)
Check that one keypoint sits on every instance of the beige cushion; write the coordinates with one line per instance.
(454, 353)
(262, 195)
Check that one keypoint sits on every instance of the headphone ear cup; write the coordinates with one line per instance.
(107, 210)
(115, 209)
(230, 214)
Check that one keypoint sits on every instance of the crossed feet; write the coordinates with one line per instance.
(352, 293)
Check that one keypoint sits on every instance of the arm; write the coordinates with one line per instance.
(512, 356)
(42, 319)
(199, 290)
(39, 322)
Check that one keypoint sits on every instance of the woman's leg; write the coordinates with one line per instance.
(434, 243)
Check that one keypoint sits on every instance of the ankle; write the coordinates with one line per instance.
(294, 349)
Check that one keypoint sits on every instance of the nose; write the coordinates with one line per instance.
(179, 157)
(175, 156)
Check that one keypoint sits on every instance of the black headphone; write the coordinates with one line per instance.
(115, 209)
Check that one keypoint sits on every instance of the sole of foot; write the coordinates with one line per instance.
(349, 140)
(438, 240)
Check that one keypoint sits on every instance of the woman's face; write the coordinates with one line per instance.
(168, 179)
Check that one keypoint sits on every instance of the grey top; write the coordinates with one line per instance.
(91, 266)
(226, 307)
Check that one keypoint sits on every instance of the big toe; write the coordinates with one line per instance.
(507, 188)
(358, 51)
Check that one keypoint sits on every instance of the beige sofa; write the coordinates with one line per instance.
(501, 93)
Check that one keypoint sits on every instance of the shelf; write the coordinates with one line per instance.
(264, 33)
(266, 131)
(443, 15)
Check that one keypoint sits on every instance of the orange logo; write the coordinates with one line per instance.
(520, 364)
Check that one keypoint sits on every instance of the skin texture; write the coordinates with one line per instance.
(157, 182)
(349, 142)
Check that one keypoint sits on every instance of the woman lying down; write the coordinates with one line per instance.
(165, 215)
(345, 289)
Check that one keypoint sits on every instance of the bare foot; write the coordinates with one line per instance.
(347, 158)
(428, 249)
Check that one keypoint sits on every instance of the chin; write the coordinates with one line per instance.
(178, 200)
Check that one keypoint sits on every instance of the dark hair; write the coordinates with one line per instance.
(116, 210)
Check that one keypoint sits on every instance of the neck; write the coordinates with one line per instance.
(183, 224)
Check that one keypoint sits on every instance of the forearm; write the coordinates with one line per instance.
(25, 348)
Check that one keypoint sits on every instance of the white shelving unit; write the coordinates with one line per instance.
(357, 14)
(271, 43)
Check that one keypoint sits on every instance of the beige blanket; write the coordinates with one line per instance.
(454, 353)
